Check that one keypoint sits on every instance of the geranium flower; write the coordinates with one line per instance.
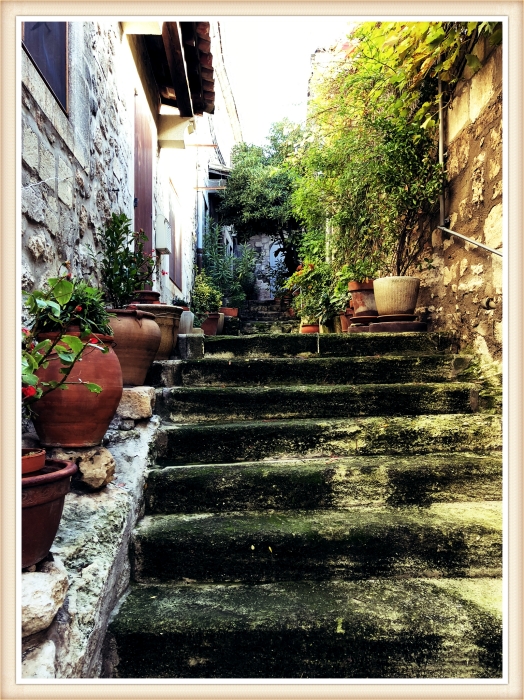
(28, 391)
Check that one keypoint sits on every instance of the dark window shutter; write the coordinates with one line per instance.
(143, 173)
(46, 44)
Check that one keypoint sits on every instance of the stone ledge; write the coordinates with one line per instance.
(92, 542)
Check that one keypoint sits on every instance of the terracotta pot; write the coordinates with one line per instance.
(77, 417)
(210, 325)
(309, 328)
(146, 296)
(396, 295)
(33, 459)
(228, 311)
(137, 339)
(363, 298)
(42, 504)
(168, 320)
(343, 323)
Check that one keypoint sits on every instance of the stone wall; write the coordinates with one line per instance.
(464, 290)
(74, 167)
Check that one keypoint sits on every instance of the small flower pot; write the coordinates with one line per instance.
(363, 298)
(42, 505)
(33, 459)
(229, 311)
(146, 296)
(309, 328)
(210, 325)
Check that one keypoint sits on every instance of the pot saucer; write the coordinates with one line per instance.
(396, 317)
(363, 320)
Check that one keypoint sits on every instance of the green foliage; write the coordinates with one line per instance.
(205, 297)
(320, 297)
(233, 276)
(257, 198)
(63, 302)
(124, 267)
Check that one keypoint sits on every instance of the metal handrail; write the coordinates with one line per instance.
(470, 240)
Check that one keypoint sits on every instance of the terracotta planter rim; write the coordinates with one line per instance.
(166, 311)
(33, 459)
(63, 469)
(133, 312)
(354, 286)
(103, 337)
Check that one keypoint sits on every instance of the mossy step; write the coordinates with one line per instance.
(329, 344)
(445, 539)
(325, 483)
(254, 440)
(415, 628)
(312, 370)
(197, 404)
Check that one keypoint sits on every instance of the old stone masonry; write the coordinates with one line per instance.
(324, 506)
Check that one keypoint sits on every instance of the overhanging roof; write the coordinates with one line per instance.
(182, 63)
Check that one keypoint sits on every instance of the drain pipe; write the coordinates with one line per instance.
(441, 149)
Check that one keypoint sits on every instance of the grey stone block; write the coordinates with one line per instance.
(190, 347)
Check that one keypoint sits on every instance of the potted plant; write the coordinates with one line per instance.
(66, 345)
(205, 302)
(313, 304)
(124, 270)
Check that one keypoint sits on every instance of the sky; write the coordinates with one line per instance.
(267, 60)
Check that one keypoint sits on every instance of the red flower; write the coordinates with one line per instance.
(78, 308)
(26, 331)
(68, 276)
(28, 391)
(93, 341)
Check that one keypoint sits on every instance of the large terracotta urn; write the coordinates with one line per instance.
(168, 320)
(137, 339)
(396, 295)
(75, 416)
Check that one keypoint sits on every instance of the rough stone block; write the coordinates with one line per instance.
(96, 465)
(458, 114)
(30, 148)
(38, 246)
(137, 402)
(65, 182)
(481, 91)
(190, 346)
(47, 169)
(33, 205)
(477, 179)
(493, 227)
(43, 593)
(39, 662)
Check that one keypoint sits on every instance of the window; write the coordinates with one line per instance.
(46, 44)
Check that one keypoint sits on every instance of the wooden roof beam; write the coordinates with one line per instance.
(175, 60)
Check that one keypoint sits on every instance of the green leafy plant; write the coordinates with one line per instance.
(233, 276)
(179, 301)
(205, 297)
(124, 266)
(64, 302)
(316, 298)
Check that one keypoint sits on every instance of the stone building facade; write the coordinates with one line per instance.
(78, 159)
(464, 290)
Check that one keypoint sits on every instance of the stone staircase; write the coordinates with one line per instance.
(267, 317)
(320, 507)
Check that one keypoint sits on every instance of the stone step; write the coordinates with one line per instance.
(342, 482)
(254, 440)
(269, 327)
(213, 371)
(445, 539)
(266, 315)
(448, 628)
(329, 344)
(197, 404)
